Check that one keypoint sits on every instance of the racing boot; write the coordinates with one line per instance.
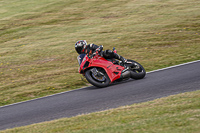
(116, 56)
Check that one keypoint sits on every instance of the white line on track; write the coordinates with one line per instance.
(174, 66)
(87, 86)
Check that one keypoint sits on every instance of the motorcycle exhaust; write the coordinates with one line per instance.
(126, 74)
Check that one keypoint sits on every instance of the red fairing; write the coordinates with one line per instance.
(101, 72)
(113, 71)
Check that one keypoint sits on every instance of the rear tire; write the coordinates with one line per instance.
(98, 81)
(137, 73)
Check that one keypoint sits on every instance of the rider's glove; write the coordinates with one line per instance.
(92, 55)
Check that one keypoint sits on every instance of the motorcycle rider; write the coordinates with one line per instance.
(83, 48)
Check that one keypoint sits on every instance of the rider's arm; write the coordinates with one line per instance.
(94, 47)
(100, 48)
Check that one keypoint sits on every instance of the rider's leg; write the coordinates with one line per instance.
(116, 56)
(108, 54)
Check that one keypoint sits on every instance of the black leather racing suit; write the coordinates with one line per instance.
(107, 54)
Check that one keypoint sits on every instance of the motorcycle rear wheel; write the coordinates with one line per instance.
(137, 72)
(98, 81)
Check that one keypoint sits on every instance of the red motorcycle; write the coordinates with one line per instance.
(101, 72)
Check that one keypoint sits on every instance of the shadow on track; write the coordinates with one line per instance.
(113, 84)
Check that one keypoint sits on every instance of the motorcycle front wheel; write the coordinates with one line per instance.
(97, 77)
(137, 70)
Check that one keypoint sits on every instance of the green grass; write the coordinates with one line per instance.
(37, 56)
(175, 114)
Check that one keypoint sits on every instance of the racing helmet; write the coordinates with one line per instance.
(80, 46)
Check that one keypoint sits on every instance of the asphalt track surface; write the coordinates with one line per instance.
(156, 84)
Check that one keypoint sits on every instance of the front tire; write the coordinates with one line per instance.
(137, 72)
(97, 80)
